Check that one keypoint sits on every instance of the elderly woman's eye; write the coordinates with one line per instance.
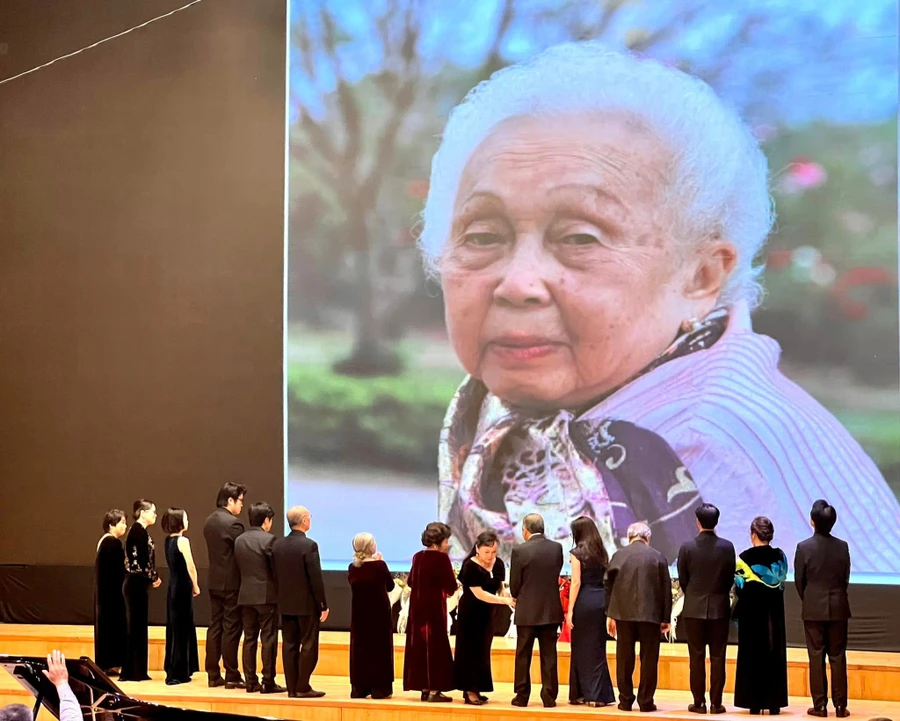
(580, 239)
(482, 239)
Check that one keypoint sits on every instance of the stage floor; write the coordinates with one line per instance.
(874, 683)
(338, 706)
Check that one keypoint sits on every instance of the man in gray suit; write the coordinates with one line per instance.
(258, 598)
(639, 606)
(534, 584)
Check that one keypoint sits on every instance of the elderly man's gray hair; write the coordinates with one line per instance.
(720, 176)
(639, 530)
(533, 523)
(16, 712)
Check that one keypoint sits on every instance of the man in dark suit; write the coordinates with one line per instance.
(638, 607)
(301, 601)
(534, 584)
(706, 567)
(258, 598)
(224, 582)
(822, 576)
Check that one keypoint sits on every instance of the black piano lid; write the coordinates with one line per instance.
(99, 697)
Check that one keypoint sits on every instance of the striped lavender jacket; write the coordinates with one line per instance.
(757, 444)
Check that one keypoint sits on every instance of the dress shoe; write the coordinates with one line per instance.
(424, 696)
(648, 709)
(624, 706)
(273, 688)
(841, 712)
(472, 702)
(697, 708)
(235, 684)
(550, 703)
(312, 693)
(253, 688)
(216, 682)
(438, 697)
(520, 702)
(713, 710)
(818, 712)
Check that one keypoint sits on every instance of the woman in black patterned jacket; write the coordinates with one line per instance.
(140, 566)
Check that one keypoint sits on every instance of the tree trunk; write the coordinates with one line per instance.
(371, 355)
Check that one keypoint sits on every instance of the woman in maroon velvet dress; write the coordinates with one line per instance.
(371, 637)
(428, 663)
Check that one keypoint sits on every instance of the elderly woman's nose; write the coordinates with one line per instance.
(523, 281)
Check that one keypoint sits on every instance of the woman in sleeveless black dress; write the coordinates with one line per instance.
(140, 576)
(181, 634)
(482, 576)
(110, 625)
(589, 678)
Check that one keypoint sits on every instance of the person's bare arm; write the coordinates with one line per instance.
(487, 597)
(184, 545)
(574, 588)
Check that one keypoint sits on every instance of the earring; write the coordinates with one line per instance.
(690, 325)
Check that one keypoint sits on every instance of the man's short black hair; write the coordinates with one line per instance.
(708, 515)
(823, 515)
(259, 512)
(230, 490)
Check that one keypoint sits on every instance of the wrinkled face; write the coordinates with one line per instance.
(487, 554)
(560, 278)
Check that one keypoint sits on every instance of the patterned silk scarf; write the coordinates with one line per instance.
(498, 463)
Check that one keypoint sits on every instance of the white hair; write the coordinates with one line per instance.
(720, 178)
(639, 530)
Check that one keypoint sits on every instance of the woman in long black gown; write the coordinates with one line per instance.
(589, 678)
(761, 679)
(481, 576)
(181, 634)
(109, 601)
(140, 576)
(371, 638)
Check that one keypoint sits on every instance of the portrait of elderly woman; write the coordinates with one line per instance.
(593, 218)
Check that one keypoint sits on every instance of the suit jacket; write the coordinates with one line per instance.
(298, 575)
(534, 581)
(822, 575)
(253, 553)
(706, 567)
(219, 532)
(638, 587)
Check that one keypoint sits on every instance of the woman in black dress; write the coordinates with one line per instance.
(181, 634)
(589, 679)
(761, 678)
(371, 637)
(481, 576)
(140, 567)
(109, 602)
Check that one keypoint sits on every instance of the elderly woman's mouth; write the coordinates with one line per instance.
(522, 349)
